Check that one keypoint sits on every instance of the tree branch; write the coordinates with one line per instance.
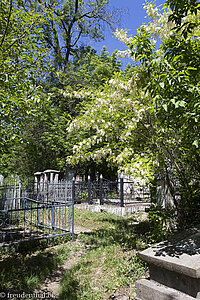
(18, 39)
(79, 35)
(8, 21)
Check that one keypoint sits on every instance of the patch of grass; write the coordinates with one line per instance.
(93, 220)
(101, 273)
(114, 230)
(111, 262)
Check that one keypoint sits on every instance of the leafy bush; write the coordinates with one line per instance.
(162, 222)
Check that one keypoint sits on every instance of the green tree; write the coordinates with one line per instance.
(22, 63)
(68, 23)
(44, 140)
(41, 144)
(33, 124)
(170, 79)
(88, 70)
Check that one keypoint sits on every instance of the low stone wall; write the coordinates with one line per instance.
(117, 210)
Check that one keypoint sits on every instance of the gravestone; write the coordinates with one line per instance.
(174, 268)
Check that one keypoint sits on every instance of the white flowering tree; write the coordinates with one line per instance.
(110, 123)
(116, 120)
(170, 76)
(150, 122)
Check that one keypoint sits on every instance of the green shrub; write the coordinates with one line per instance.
(161, 222)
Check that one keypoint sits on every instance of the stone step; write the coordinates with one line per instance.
(181, 256)
(176, 263)
(151, 290)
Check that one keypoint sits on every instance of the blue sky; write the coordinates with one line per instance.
(132, 20)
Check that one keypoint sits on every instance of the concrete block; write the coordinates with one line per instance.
(176, 263)
(115, 209)
(181, 256)
(178, 281)
(150, 290)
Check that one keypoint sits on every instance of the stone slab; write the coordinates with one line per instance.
(151, 290)
(181, 255)
(51, 171)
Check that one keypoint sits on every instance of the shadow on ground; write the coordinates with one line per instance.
(120, 232)
(25, 270)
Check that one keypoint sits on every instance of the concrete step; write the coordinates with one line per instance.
(151, 290)
(181, 256)
(176, 263)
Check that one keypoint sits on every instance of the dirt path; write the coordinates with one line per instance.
(52, 282)
(50, 286)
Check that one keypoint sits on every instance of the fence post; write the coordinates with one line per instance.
(52, 216)
(52, 213)
(24, 207)
(73, 201)
(20, 194)
(121, 192)
(38, 215)
(47, 192)
(66, 188)
(101, 189)
(15, 194)
(89, 190)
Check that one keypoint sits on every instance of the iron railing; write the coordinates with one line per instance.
(120, 192)
(29, 214)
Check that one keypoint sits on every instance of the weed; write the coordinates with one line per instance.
(130, 269)
(110, 263)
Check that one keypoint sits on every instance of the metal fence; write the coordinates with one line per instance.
(43, 210)
(27, 213)
(121, 192)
